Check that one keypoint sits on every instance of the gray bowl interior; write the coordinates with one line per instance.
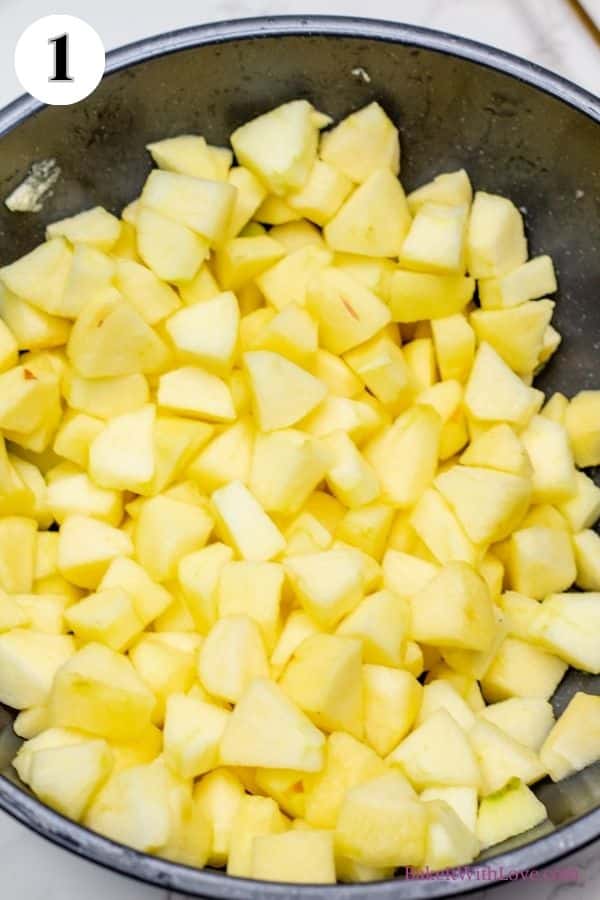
(454, 108)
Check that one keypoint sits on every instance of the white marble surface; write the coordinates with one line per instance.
(545, 31)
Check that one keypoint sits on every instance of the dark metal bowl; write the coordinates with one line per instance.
(518, 129)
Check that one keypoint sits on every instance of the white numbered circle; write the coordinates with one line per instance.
(59, 60)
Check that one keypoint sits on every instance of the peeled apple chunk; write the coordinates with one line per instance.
(453, 609)
(294, 556)
(511, 810)
(361, 143)
(99, 691)
(110, 338)
(280, 146)
(374, 220)
(495, 240)
(381, 824)
(267, 729)
(282, 392)
(201, 205)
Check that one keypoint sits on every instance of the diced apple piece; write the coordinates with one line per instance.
(87, 547)
(520, 669)
(449, 841)
(347, 763)
(380, 364)
(516, 334)
(287, 281)
(392, 698)
(381, 824)
(256, 816)
(454, 341)
(502, 758)
(295, 856)
(586, 545)
(488, 503)
(328, 584)
(194, 392)
(280, 146)
(165, 665)
(99, 691)
(567, 625)
(282, 392)
(171, 250)
(440, 694)
(153, 299)
(27, 400)
(292, 333)
(413, 438)
(29, 661)
(498, 448)
(529, 281)
(583, 508)
(193, 730)
(266, 729)
(494, 393)
(90, 277)
(526, 719)
(449, 188)
(206, 332)
(361, 143)
(286, 467)
(434, 522)
(198, 575)
(415, 296)
(496, 241)
(218, 794)
(110, 338)
(226, 458)
(374, 220)
(9, 348)
(40, 277)
(581, 421)
(437, 752)
(239, 261)
(324, 679)
(231, 657)
(367, 528)
(547, 445)
(250, 194)
(381, 622)
(253, 589)
(166, 531)
(348, 313)
(454, 609)
(405, 574)
(149, 598)
(323, 193)
(245, 523)
(574, 742)
(104, 398)
(463, 800)
(350, 478)
(32, 328)
(108, 617)
(436, 240)
(66, 778)
(507, 812)
(121, 457)
(201, 205)
(540, 561)
(188, 154)
(96, 227)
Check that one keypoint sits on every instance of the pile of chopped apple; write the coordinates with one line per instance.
(292, 554)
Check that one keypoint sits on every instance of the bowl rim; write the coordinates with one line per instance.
(31, 812)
